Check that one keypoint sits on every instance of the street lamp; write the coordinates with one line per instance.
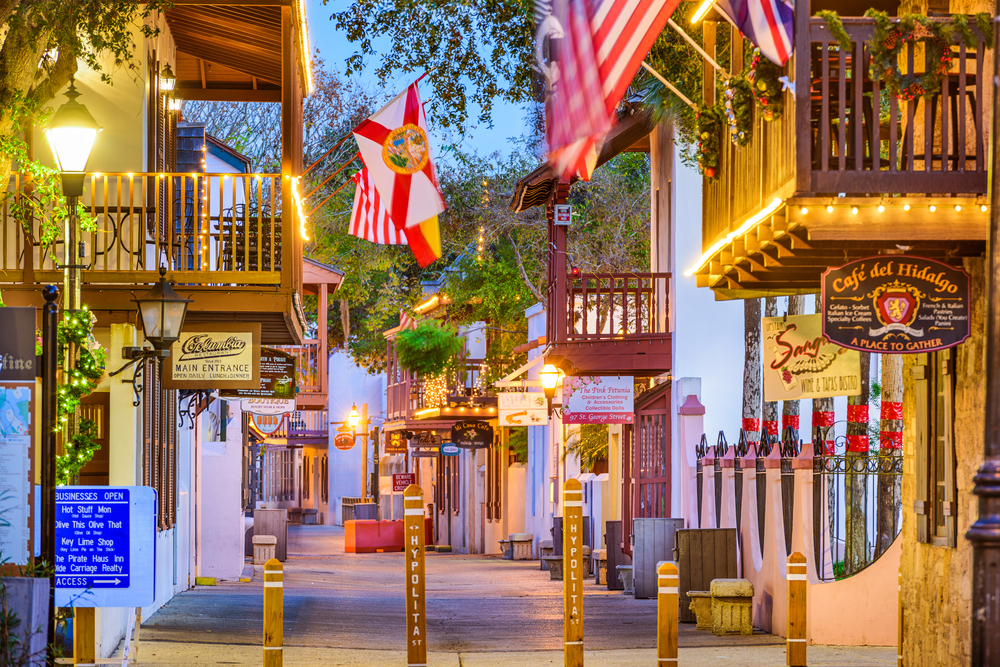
(162, 312)
(354, 418)
(549, 375)
(71, 134)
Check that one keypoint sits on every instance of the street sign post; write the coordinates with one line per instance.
(416, 600)
(573, 572)
(105, 546)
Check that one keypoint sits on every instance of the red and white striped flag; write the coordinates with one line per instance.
(370, 220)
(604, 42)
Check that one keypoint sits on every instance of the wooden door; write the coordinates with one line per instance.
(651, 469)
(97, 407)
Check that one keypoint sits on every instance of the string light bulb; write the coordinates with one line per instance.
(854, 210)
(906, 207)
(983, 208)
(881, 209)
(933, 208)
(958, 209)
(803, 210)
(829, 209)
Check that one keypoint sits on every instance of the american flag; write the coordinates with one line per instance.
(602, 45)
(769, 24)
(370, 220)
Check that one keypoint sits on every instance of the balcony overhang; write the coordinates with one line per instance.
(786, 251)
(638, 357)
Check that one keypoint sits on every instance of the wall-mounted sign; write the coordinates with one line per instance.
(605, 399)
(401, 480)
(277, 377)
(16, 430)
(896, 304)
(344, 441)
(563, 214)
(17, 344)
(424, 453)
(267, 406)
(425, 439)
(449, 449)
(395, 443)
(265, 425)
(472, 435)
(215, 356)
(523, 408)
(800, 363)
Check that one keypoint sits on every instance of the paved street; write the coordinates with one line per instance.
(346, 609)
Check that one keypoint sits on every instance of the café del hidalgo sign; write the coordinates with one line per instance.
(896, 304)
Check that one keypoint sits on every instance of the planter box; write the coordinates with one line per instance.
(28, 597)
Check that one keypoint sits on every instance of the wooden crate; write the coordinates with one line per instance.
(703, 554)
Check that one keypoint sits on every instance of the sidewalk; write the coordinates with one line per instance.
(171, 654)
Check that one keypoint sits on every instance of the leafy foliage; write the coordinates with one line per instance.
(428, 350)
(473, 53)
(589, 444)
(767, 89)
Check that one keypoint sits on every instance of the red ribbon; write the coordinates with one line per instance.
(857, 443)
(823, 419)
(892, 410)
(771, 427)
(892, 439)
(857, 413)
(789, 420)
(828, 448)
(751, 424)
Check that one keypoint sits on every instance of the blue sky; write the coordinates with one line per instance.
(508, 119)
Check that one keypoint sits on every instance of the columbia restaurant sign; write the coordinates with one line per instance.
(896, 304)
(215, 356)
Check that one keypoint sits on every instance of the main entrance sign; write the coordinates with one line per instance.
(896, 304)
(215, 356)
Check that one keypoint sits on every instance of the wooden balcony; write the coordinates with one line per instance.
(805, 193)
(303, 427)
(229, 241)
(608, 323)
(310, 373)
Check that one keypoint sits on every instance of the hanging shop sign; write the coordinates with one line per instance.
(800, 363)
(267, 425)
(896, 304)
(472, 434)
(267, 406)
(277, 377)
(215, 356)
(424, 439)
(522, 408)
(17, 427)
(449, 449)
(395, 443)
(425, 453)
(344, 441)
(589, 399)
(17, 345)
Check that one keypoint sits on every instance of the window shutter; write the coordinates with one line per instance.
(923, 450)
(947, 360)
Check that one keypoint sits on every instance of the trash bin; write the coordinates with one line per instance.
(273, 522)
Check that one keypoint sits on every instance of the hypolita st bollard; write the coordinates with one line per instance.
(416, 596)
(667, 612)
(573, 572)
(796, 640)
(274, 612)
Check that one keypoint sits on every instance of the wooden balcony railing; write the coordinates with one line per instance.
(206, 229)
(843, 133)
(611, 306)
(304, 424)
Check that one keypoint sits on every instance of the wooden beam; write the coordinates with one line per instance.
(201, 64)
(236, 3)
(204, 94)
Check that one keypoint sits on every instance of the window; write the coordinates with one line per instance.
(935, 505)
(324, 479)
(159, 443)
(306, 477)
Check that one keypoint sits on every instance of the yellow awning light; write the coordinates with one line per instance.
(699, 13)
(304, 46)
(743, 229)
(429, 304)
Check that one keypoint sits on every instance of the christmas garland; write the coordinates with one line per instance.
(891, 36)
(78, 381)
(709, 130)
(738, 100)
(766, 87)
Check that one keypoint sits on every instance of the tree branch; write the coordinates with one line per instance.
(524, 274)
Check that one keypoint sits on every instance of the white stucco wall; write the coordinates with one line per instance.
(220, 525)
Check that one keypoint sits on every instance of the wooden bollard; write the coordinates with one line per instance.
(84, 636)
(573, 572)
(795, 642)
(667, 611)
(416, 597)
(274, 613)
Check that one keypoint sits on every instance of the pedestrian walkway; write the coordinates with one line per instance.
(346, 609)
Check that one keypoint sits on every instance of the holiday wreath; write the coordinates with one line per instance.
(766, 87)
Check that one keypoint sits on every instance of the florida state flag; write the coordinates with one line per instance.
(396, 150)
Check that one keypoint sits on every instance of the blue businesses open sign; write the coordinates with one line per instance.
(105, 546)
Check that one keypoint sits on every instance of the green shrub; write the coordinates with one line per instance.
(429, 349)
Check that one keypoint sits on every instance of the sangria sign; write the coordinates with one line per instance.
(591, 399)
(896, 304)
(800, 363)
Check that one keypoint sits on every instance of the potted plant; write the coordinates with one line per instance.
(429, 349)
(24, 611)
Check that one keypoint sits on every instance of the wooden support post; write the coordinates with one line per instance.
(899, 643)
(795, 646)
(84, 632)
(416, 596)
(573, 572)
(274, 612)
(667, 611)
